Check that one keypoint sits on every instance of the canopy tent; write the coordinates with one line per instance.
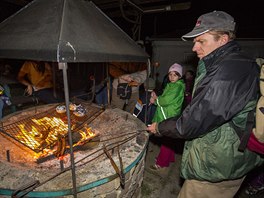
(66, 31)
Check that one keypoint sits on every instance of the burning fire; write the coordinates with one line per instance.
(86, 135)
(45, 134)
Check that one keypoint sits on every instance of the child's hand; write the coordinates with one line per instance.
(154, 95)
(152, 100)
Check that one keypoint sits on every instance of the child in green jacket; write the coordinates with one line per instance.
(169, 104)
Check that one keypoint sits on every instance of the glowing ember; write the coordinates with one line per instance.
(46, 133)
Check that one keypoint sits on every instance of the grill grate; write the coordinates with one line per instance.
(42, 130)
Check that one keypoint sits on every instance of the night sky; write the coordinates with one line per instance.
(248, 15)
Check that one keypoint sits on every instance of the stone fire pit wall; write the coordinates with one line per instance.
(95, 176)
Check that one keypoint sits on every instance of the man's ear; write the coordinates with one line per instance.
(224, 39)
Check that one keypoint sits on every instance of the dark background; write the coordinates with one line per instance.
(168, 24)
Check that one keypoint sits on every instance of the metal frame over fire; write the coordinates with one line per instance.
(46, 133)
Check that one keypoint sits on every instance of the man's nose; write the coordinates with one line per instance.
(194, 49)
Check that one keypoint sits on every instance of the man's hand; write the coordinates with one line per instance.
(29, 90)
(133, 84)
(152, 128)
(127, 78)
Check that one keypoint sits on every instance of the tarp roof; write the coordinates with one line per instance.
(66, 31)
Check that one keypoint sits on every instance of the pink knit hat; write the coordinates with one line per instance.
(176, 67)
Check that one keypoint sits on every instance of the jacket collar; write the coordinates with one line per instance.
(211, 58)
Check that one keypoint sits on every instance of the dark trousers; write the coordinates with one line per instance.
(46, 96)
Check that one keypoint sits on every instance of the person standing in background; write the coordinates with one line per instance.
(226, 89)
(189, 83)
(4, 98)
(144, 110)
(134, 79)
(37, 77)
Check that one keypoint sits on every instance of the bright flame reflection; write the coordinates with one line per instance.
(46, 132)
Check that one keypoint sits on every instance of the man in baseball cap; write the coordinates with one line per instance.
(216, 20)
(215, 158)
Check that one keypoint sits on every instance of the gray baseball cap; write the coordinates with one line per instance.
(216, 20)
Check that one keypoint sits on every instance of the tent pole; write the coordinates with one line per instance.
(54, 80)
(108, 85)
(64, 67)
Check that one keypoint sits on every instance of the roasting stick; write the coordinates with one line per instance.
(22, 191)
(118, 171)
(122, 174)
(113, 144)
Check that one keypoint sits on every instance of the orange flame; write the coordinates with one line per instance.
(86, 135)
(46, 133)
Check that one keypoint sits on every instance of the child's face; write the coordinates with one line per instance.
(173, 77)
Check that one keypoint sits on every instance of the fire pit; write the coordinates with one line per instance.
(46, 132)
(109, 153)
